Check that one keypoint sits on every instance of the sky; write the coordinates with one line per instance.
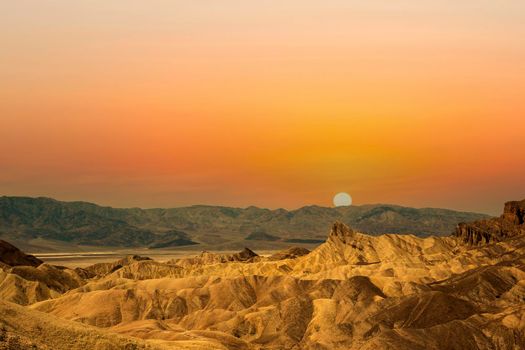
(272, 103)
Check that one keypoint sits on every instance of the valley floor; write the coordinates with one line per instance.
(84, 259)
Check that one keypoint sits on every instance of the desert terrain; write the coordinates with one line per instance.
(354, 291)
(262, 175)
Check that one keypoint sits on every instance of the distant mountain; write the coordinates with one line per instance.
(33, 222)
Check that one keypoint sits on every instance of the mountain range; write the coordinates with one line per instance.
(41, 223)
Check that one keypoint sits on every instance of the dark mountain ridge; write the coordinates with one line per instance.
(23, 219)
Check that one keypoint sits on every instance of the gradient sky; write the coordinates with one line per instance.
(165, 103)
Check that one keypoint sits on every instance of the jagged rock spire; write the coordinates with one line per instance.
(509, 224)
(341, 232)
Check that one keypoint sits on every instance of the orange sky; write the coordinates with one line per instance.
(267, 103)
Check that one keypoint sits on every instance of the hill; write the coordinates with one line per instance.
(12, 256)
(34, 222)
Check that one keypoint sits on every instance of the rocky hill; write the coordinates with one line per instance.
(34, 222)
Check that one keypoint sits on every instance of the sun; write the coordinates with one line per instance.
(342, 199)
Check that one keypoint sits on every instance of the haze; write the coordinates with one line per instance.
(270, 103)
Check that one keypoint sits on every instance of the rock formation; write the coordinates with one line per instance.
(341, 232)
(290, 253)
(12, 256)
(209, 258)
(509, 224)
(103, 269)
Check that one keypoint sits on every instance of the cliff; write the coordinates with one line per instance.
(509, 224)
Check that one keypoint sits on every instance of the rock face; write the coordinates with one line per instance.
(12, 256)
(515, 212)
(509, 224)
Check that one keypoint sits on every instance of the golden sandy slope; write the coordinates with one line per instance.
(21, 328)
(353, 292)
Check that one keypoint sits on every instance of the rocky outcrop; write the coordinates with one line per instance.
(12, 256)
(341, 232)
(290, 253)
(103, 269)
(208, 258)
(514, 212)
(25, 279)
(509, 224)
(244, 255)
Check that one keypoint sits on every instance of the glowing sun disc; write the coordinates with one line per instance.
(342, 199)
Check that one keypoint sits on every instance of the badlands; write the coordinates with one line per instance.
(355, 291)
